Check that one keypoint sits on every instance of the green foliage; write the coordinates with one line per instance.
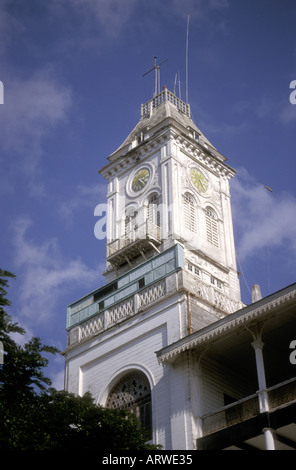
(58, 420)
(34, 416)
(22, 371)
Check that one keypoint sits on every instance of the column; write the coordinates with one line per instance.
(269, 439)
(263, 398)
(196, 394)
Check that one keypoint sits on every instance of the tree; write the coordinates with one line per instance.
(22, 371)
(21, 374)
(34, 416)
(64, 421)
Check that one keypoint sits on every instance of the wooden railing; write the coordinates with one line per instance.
(241, 410)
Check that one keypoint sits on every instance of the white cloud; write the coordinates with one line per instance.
(197, 8)
(263, 219)
(112, 15)
(32, 108)
(8, 25)
(58, 379)
(56, 367)
(288, 113)
(84, 196)
(45, 275)
(281, 110)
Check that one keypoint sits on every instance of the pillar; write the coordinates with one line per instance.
(262, 394)
(263, 398)
(269, 439)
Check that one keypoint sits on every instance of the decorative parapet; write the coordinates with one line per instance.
(214, 297)
(134, 281)
(120, 312)
(153, 293)
(141, 299)
(91, 327)
(117, 314)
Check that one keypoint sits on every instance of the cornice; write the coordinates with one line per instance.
(169, 129)
(134, 156)
(204, 154)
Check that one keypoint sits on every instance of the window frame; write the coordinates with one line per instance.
(190, 212)
(212, 227)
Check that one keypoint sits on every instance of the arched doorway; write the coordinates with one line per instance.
(132, 392)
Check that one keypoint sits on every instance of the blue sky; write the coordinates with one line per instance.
(72, 75)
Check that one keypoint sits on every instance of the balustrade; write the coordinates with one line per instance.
(162, 97)
(241, 410)
(145, 231)
(122, 310)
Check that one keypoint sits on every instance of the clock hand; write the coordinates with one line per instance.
(143, 180)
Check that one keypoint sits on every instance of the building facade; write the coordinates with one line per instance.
(170, 276)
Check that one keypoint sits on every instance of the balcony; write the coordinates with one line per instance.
(138, 241)
(230, 415)
(124, 297)
(119, 312)
(241, 422)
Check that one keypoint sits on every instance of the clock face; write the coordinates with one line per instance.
(140, 179)
(198, 180)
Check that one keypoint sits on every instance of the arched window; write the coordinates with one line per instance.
(133, 393)
(153, 209)
(130, 223)
(189, 212)
(212, 227)
(153, 216)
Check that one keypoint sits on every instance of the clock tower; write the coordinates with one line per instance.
(167, 184)
(170, 270)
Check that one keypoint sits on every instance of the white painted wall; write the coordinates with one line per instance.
(95, 365)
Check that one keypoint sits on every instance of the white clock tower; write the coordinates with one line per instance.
(170, 271)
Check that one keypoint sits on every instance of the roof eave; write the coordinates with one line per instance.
(256, 311)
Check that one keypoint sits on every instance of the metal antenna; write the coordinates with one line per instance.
(180, 88)
(268, 247)
(187, 57)
(177, 80)
(156, 69)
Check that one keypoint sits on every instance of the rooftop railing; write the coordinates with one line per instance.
(162, 97)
